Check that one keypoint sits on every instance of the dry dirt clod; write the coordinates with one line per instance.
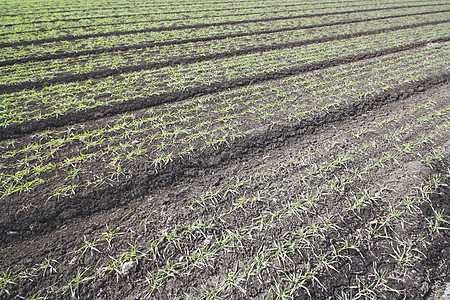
(128, 267)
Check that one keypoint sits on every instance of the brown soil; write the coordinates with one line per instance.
(200, 25)
(145, 214)
(78, 116)
(344, 200)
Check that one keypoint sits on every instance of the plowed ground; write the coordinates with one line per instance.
(323, 180)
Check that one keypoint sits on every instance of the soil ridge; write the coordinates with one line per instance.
(177, 4)
(163, 13)
(49, 216)
(202, 25)
(30, 126)
(194, 40)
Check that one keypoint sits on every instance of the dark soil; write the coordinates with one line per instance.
(162, 204)
(348, 201)
(145, 179)
(194, 40)
(71, 117)
(202, 25)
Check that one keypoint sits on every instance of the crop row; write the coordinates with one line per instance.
(37, 71)
(47, 11)
(62, 99)
(252, 214)
(384, 63)
(63, 21)
(161, 7)
(172, 132)
(248, 102)
(165, 22)
(142, 40)
(289, 206)
(95, 17)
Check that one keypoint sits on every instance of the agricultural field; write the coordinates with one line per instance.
(204, 149)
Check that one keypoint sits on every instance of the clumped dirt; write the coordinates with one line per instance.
(201, 25)
(76, 116)
(41, 217)
(340, 192)
(56, 253)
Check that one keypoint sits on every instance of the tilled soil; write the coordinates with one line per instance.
(242, 174)
(386, 246)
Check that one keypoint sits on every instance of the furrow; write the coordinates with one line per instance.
(203, 39)
(10, 88)
(127, 20)
(47, 10)
(49, 214)
(30, 126)
(191, 33)
(201, 25)
(224, 150)
(164, 5)
(166, 12)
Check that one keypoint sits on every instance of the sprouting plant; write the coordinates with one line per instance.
(214, 292)
(329, 223)
(433, 157)
(439, 220)
(235, 279)
(350, 244)
(153, 281)
(171, 269)
(325, 260)
(360, 132)
(380, 278)
(385, 157)
(296, 282)
(162, 160)
(378, 228)
(47, 267)
(363, 290)
(356, 203)
(424, 139)
(260, 262)
(74, 285)
(173, 238)
(405, 148)
(405, 254)
(203, 256)
(87, 245)
(396, 213)
(280, 291)
(109, 235)
(63, 191)
(411, 204)
(281, 251)
(6, 278)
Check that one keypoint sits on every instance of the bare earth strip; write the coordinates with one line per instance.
(298, 155)
(356, 197)
(143, 41)
(178, 24)
(97, 98)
